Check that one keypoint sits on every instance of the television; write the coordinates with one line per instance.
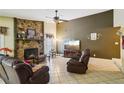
(72, 44)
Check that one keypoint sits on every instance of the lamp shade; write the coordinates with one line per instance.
(6, 50)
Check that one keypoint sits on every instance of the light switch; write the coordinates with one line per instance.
(116, 43)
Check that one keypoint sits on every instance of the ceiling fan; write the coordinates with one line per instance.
(57, 19)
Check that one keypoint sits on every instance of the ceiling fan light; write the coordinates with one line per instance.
(60, 21)
(56, 21)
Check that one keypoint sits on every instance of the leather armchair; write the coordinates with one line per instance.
(44, 78)
(27, 76)
(75, 66)
(21, 73)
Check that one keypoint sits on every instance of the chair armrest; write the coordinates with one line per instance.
(75, 63)
(76, 58)
(23, 71)
(40, 73)
(73, 60)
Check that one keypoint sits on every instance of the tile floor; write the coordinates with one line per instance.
(101, 71)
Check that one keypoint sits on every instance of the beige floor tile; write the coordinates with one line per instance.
(100, 71)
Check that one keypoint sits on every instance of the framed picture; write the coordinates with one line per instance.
(3, 30)
(31, 33)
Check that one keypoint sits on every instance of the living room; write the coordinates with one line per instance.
(45, 43)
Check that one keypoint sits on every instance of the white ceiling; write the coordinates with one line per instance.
(43, 14)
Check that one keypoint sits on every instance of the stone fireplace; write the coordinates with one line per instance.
(24, 44)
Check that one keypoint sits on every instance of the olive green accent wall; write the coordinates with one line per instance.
(82, 27)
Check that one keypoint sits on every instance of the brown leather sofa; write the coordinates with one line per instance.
(15, 72)
(75, 66)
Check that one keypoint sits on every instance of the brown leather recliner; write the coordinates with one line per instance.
(17, 72)
(75, 66)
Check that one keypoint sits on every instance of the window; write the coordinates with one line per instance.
(1, 42)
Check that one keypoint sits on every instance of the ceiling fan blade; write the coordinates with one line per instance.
(63, 20)
(49, 17)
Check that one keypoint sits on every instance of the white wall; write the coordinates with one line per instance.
(118, 17)
(50, 28)
(9, 38)
(119, 21)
